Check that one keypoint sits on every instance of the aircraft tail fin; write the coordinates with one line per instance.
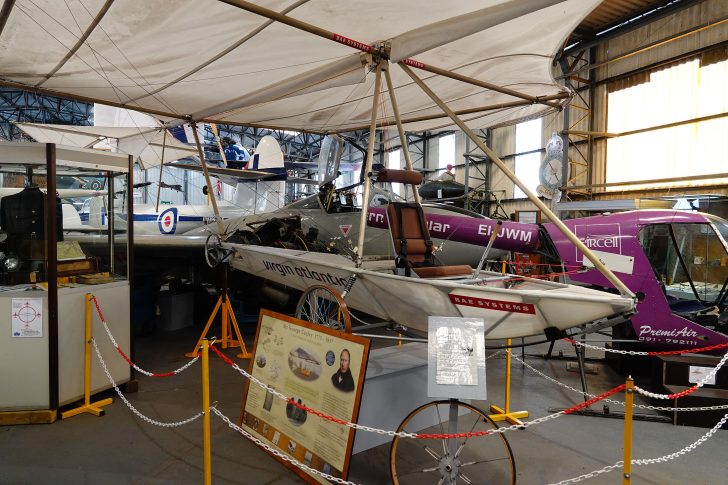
(268, 155)
(264, 195)
(71, 218)
(96, 212)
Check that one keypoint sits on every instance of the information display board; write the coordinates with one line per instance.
(27, 317)
(456, 358)
(317, 367)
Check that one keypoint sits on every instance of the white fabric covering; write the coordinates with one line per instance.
(144, 143)
(158, 55)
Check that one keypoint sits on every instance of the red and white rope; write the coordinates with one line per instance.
(128, 360)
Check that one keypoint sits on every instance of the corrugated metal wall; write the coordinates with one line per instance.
(503, 139)
(701, 14)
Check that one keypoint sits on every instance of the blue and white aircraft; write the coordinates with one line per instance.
(257, 190)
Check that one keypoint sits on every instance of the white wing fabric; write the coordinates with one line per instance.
(209, 60)
(144, 143)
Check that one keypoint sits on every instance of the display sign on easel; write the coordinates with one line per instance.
(317, 367)
(456, 358)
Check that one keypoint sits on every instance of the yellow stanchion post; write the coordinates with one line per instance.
(87, 406)
(505, 414)
(628, 410)
(207, 468)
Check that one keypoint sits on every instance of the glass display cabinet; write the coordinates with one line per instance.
(63, 235)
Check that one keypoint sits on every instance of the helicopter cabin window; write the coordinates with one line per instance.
(689, 259)
(671, 124)
(528, 139)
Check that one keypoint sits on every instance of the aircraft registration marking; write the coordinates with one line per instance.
(504, 306)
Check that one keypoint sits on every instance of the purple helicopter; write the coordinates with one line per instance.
(675, 261)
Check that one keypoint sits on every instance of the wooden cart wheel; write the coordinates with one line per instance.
(213, 251)
(323, 305)
(476, 459)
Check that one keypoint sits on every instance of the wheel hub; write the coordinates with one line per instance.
(449, 468)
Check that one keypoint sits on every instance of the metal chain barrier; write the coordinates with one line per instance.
(651, 353)
(594, 399)
(612, 401)
(661, 459)
(402, 434)
(651, 461)
(709, 376)
(131, 406)
(593, 474)
(128, 360)
(525, 425)
(276, 452)
(495, 354)
(543, 419)
(282, 396)
(685, 450)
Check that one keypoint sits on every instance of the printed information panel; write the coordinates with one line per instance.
(456, 358)
(317, 367)
(27, 317)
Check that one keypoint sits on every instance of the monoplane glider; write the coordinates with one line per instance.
(486, 63)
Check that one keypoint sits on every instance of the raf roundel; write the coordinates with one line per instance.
(167, 221)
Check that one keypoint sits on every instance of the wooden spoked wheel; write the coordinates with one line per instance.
(214, 252)
(323, 305)
(469, 460)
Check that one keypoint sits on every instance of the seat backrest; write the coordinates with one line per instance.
(410, 236)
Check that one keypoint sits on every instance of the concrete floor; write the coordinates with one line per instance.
(120, 448)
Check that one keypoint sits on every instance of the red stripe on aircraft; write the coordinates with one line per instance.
(504, 306)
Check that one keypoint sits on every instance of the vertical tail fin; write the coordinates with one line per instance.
(268, 155)
(265, 195)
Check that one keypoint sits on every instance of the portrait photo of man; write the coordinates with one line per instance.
(342, 379)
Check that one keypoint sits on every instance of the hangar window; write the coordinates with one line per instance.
(674, 123)
(446, 151)
(394, 161)
(528, 139)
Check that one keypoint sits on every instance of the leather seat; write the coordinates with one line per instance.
(413, 245)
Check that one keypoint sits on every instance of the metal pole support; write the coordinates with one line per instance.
(87, 406)
(628, 410)
(207, 468)
(505, 414)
